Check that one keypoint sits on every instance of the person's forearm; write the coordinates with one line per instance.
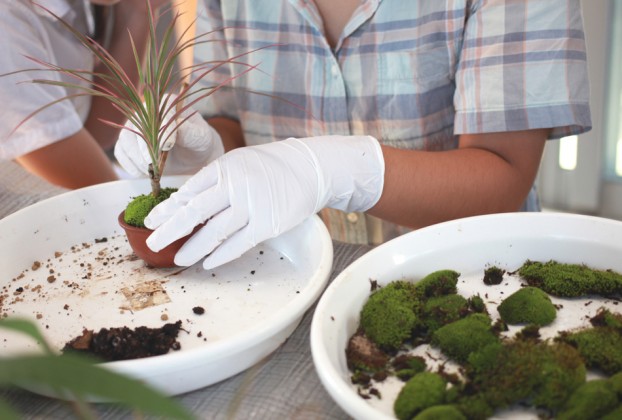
(230, 132)
(129, 18)
(422, 188)
(74, 162)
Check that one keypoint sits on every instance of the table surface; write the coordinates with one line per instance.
(284, 385)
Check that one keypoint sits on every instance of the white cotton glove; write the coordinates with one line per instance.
(196, 144)
(255, 193)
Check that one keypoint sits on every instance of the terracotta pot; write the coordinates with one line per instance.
(137, 237)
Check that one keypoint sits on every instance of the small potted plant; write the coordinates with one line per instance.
(157, 106)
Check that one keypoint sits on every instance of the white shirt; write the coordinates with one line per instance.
(30, 31)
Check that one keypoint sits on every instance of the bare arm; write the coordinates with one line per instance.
(74, 162)
(129, 16)
(230, 132)
(488, 173)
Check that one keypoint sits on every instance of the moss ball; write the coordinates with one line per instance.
(440, 412)
(441, 282)
(562, 371)
(141, 206)
(591, 400)
(458, 339)
(599, 347)
(441, 310)
(426, 389)
(389, 315)
(528, 305)
(526, 371)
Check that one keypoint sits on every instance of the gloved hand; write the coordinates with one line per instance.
(196, 144)
(255, 193)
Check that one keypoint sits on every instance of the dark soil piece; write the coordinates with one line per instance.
(123, 343)
(198, 310)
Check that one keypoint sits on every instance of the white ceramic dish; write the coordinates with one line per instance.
(251, 305)
(468, 246)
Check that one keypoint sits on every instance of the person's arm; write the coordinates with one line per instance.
(230, 132)
(488, 173)
(130, 17)
(74, 162)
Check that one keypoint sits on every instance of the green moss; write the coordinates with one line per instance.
(599, 347)
(591, 400)
(615, 414)
(440, 412)
(539, 373)
(605, 318)
(389, 317)
(616, 383)
(493, 275)
(562, 371)
(441, 310)
(458, 339)
(571, 280)
(426, 389)
(476, 304)
(140, 206)
(441, 282)
(406, 366)
(475, 407)
(528, 305)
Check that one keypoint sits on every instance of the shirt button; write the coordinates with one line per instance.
(335, 70)
(352, 217)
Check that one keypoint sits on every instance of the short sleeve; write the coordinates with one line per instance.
(27, 35)
(523, 66)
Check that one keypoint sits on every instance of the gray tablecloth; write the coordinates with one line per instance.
(283, 386)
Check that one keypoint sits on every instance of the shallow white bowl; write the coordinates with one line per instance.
(251, 304)
(468, 246)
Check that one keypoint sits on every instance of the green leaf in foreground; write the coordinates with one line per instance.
(79, 377)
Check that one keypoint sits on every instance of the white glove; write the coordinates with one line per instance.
(196, 144)
(255, 193)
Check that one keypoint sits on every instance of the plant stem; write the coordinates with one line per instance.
(155, 181)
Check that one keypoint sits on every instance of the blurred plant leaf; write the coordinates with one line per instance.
(78, 377)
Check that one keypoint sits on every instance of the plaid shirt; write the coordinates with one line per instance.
(413, 74)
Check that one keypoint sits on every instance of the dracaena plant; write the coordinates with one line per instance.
(155, 114)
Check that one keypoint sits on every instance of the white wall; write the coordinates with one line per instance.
(581, 190)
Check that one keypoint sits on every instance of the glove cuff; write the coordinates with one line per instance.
(351, 171)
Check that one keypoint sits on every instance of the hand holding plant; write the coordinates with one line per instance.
(196, 144)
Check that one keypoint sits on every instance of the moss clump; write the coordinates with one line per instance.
(599, 347)
(441, 282)
(475, 407)
(440, 412)
(528, 305)
(541, 374)
(571, 280)
(441, 310)
(140, 206)
(389, 316)
(615, 414)
(591, 400)
(477, 304)
(426, 389)
(605, 318)
(406, 366)
(458, 339)
(493, 275)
